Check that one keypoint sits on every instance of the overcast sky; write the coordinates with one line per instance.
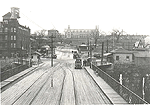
(133, 16)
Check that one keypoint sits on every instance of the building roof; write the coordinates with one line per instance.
(106, 54)
(142, 54)
(36, 53)
(7, 16)
(121, 51)
(83, 45)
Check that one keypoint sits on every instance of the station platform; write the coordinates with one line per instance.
(114, 97)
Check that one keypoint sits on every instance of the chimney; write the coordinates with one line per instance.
(14, 13)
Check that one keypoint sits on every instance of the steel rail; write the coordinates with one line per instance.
(75, 92)
(35, 82)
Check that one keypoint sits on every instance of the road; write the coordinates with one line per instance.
(57, 85)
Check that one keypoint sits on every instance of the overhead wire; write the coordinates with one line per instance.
(32, 21)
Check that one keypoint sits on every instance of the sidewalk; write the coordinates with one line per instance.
(114, 97)
(19, 75)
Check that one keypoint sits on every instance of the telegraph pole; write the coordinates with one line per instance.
(88, 47)
(107, 50)
(102, 53)
(52, 50)
(52, 46)
(90, 50)
(30, 54)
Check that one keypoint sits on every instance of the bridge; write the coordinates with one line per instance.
(64, 85)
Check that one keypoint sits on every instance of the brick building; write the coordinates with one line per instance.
(79, 36)
(14, 38)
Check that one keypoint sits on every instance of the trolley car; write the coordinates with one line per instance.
(78, 63)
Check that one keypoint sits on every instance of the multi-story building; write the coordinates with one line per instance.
(79, 36)
(14, 38)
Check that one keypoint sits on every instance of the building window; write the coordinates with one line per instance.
(6, 37)
(14, 45)
(12, 37)
(6, 21)
(6, 29)
(14, 29)
(133, 57)
(11, 29)
(117, 58)
(127, 58)
(5, 45)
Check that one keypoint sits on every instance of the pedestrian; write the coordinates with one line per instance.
(38, 57)
(84, 62)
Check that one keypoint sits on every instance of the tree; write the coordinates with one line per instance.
(117, 34)
(39, 36)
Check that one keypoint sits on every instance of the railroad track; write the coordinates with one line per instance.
(49, 76)
(71, 98)
(102, 95)
(22, 96)
(19, 78)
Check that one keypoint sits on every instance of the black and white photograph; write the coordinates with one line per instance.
(75, 52)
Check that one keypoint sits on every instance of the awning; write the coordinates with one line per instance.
(106, 54)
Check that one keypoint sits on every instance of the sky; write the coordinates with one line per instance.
(133, 16)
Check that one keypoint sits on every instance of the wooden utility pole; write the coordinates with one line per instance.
(90, 50)
(52, 46)
(107, 50)
(102, 53)
(88, 47)
(21, 53)
(30, 54)
(107, 47)
(52, 50)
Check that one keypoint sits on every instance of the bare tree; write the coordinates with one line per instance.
(40, 37)
(117, 34)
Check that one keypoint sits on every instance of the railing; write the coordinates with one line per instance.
(124, 92)
(10, 72)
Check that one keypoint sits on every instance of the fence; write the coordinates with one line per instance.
(124, 92)
(10, 72)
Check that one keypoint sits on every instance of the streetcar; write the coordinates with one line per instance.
(78, 63)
